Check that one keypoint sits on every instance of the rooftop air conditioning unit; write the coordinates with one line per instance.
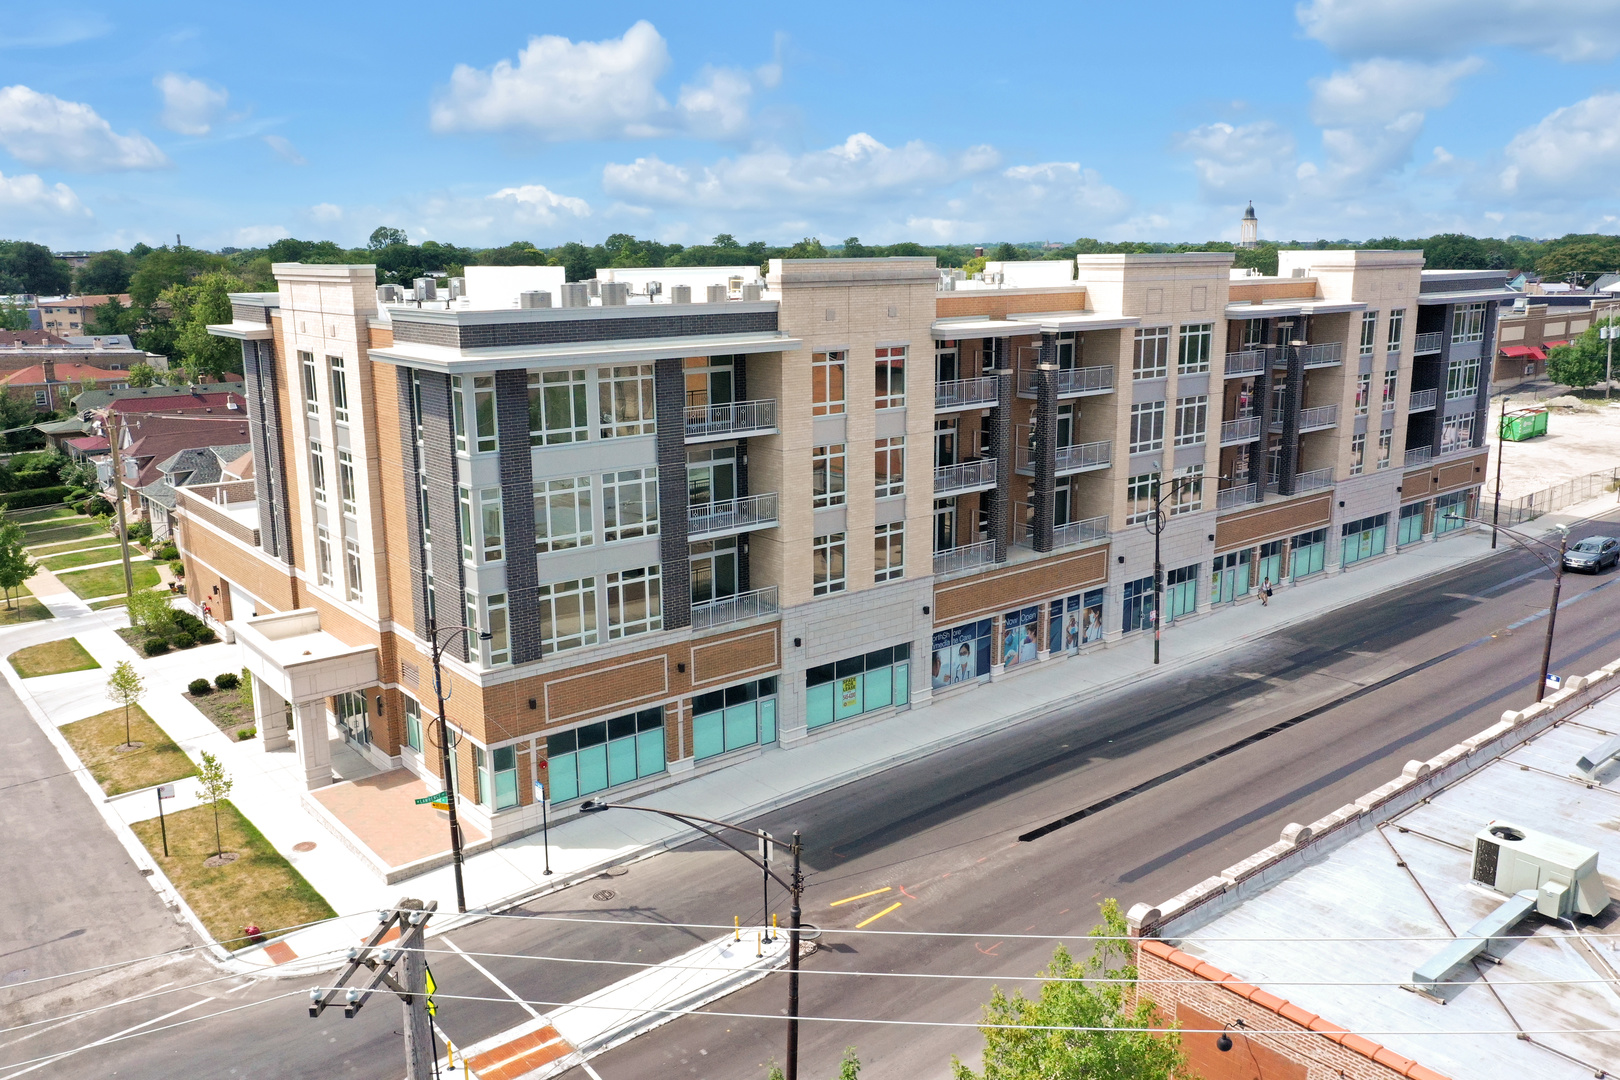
(595, 286)
(458, 287)
(680, 294)
(390, 294)
(750, 292)
(576, 294)
(717, 294)
(654, 288)
(615, 293)
(426, 288)
(231, 404)
(733, 284)
(535, 298)
(1564, 876)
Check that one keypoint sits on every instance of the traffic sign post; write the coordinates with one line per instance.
(441, 797)
(164, 791)
(545, 823)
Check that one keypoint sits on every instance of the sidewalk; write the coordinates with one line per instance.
(269, 787)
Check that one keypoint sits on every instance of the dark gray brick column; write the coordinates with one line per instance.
(443, 481)
(1487, 362)
(517, 504)
(1442, 362)
(669, 388)
(265, 427)
(1001, 447)
(1293, 394)
(413, 502)
(1262, 405)
(739, 392)
(1045, 492)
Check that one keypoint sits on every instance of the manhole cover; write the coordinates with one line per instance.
(615, 871)
(603, 894)
(304, 845)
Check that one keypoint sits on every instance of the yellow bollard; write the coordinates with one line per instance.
(759, 946)
(775, 930)
(736, 927)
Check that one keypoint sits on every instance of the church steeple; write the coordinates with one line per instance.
(1250, 227)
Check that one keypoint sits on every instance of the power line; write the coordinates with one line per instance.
(116, 1004)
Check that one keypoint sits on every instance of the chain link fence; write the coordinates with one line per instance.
(1548, 499)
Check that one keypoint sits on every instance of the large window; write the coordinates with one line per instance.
(625, 398)
(352, 717)
(1180, 592)
(1152, 353)
(1369, 332)
(891, 377)
(1386, 440)
(1075, 622)
(1196, 344)
(1309, 553)
(826, 383)
(1192, 419)
(498, 649)
(340, 390)
(605, 754)
(413, 723)
(1139, 498)
(827, 564)
(491, 524)
(323, 555)
(562, 513)
(1363, 539)
(859, 684)
(1363, 393)
(496, 771)
(1391, 378)
(346, 484)
(889, 552)
(1410, 530)
(558, 411)
(827, 475)
(567, 614)
(1229, 577)
(1457, 433)
(1358, 453)
(468, 541)
(890, 462)
(317, 473)
(709, 380)
(458, 413)
(1147, 426)
(634, 602)
(351, 568)
(1467, 323)
(962, 654)
(1450, 512)
(1188, 496)
(312, 384)
(1138, 604)
(714, 569)
(629, 504)
(1462, 379)
(730, 719)
(1269, 572)
(484, 413)
(1397, 326)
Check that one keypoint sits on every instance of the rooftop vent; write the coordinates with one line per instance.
(717, 294)
(425, 288)
(750, 292)
(458, 287)
(1564, 875)
(595, 286)
(734, 284)
(654, 288)
(615, 293)
(535, 298)
(576, 294)
(680, 294)
(390, 294)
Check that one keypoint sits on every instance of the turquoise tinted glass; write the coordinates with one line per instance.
(709, 735)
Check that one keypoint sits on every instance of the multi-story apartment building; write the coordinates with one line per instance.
(698, 531)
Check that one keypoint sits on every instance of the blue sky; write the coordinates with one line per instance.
(480, 123)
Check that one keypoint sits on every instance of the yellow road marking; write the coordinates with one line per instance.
(878, 916)
(863, 896)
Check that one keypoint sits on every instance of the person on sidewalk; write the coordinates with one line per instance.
(1265, 593)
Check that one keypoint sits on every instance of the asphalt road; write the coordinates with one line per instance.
(1341, 702)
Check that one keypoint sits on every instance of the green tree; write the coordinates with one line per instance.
(149, 610)
(142, 375)
(1581, 363)
(163, 268)
(1007, 253)
(208, 302)
(808, 248)
(14, 317)
(125, 687)
(114, 318)
(216, 788)
(1089, 1020)
(107, 273)
(385, 236)
(29, 267)
(15, 565)
(17, 419)
(848, 1069)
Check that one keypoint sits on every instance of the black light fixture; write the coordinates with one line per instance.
(1223, 1042)
(379, 705)
(532, 703)
(927, 610)
(681, 668)
(798, 642)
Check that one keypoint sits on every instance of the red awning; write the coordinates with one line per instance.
(1517, 350)
(1550, 344)
(1538, 353)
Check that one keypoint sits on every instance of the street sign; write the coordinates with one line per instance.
(441, 797)
(165, 791)
(1555, 682)
(764, 846)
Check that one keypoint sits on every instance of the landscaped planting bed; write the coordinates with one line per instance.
(52, 658)
(183, 630)
(155, 760)
(108, 580)
(231, 709)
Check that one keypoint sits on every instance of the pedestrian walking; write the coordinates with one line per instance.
(1265, 593)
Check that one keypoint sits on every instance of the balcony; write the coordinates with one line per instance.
(1315, 480)
(1080, 532)
(1071, 382)
(1079, 458)
(976, 475)
(735, 420)
(962, 558)
(1318, 419)
(731, 516)
(1418, 456)
(1428, 343)
(1248, 362)
(1245, 429)
(1238, 495)
(1327, 354)
(731, 609)
(966, 394)
(1423, 401)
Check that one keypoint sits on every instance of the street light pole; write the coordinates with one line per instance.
(794, 885)
(1501, 445)
(1155, 524)
(1557, 567)
(444, 750)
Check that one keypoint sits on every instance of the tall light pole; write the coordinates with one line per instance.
(1607, 333)
(1501, 440)
(1155, 525)
(1556, 565)
(794, 886)
(438, 647)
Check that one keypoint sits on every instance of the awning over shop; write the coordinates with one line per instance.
(1517, 350)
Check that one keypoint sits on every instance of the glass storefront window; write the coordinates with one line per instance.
(1363, 539)
(1229, 578)
(1270, 569)
(1449, 512)
(595, 756)
(1018, 636)
(352, 718)
(1411, 527)
(858, 684)
(730, 719)
(961, 654)
(1180, 592)
(1075, 621)
(1310, 553)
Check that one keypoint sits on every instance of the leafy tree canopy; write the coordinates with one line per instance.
(107, 273)
(14, 317)
(384, 236)
(1581, 363)
(26, 267)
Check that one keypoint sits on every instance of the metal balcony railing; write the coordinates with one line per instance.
(1084, 457)
(966, 393)
(1423, 400)
(730, 609)
(1418, 455)
(731, 516)
(1323, 416)
(1238, 495)
(961, 558)
(965, 476)
(732, 420)
(1244, 429)
(1314, 480)
(1327, 354)
(1247, 362)
(1427, 343)
(1071, 382)
(1080, 532)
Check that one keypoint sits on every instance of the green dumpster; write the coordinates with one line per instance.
(1526, 425)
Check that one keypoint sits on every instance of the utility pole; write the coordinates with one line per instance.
(409, 957)
(110, 418)
(1607, 334)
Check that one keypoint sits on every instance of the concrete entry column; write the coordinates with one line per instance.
(314, 743)
(269, 716)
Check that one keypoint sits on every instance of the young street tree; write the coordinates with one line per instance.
(125, 687)
(1581, 363)
(216, 787)
(1079, 1028)
(15, 565)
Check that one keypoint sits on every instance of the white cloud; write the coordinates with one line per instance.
(1372, 113)
(189, 105)
(285, 150)
(326, 212)
(539, 205)
(42, 129)
(47, 31)
(1242, 161)
(1573, 152)
(1590, 32)
(251, 236)
(561, 89)
(28, 195)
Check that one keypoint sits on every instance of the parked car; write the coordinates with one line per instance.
(1593, 554)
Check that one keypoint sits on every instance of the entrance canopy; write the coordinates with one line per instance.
(289, 653)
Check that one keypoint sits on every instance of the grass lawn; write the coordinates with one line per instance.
(40, 551)
(111, 601)
(42, 513)
(52, 658)
(49, 532)
(24, 609)
(108, 580)
(260, 887)
(69, 559)
(230, 710)
(158, 761)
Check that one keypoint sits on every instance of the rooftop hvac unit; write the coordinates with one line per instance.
(458, 287)
(615, 293)
(576, 294)
(654, 288)
(425, 289)
(750, 292)
(535, 298)
(717, 294)
(733, 284)
(680, 294)
(1564, 876)
(595, 286)
(390, 294)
